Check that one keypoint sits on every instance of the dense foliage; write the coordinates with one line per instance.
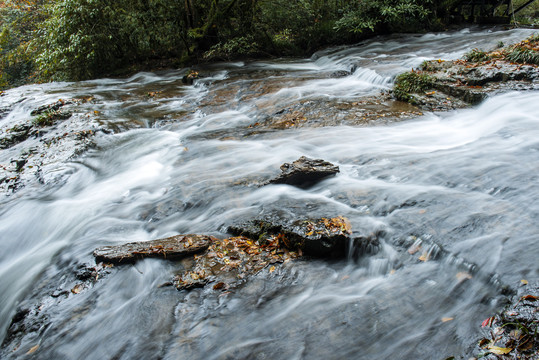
(18, 21)
(81, 39)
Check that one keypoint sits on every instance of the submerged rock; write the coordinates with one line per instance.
(305, 172)
(169, 248)
(340, 74)
(15, 135)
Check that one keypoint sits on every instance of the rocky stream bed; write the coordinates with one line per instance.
(326, 242)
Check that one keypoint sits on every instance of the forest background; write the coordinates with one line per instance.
(51, 40)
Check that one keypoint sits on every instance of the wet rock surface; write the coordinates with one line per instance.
(33, 318)
(261, 243)
(440, 85)
(325, 237)
(35, 146)
(228, 262)
(169, 248)
(512, 333)
(52, 107)
(305, 172)
(456, 84)
(15, 135)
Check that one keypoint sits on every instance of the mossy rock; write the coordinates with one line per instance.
(410, 83)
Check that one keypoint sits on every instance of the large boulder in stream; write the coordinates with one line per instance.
(169, 248)
(324, 237)
(305, 172)
(257, 244)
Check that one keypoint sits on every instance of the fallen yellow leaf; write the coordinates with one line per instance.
(524, 282)
(499, 350)
(424, 257)
(446, 319)
(33, 349)
(272, 269)
(77, 289)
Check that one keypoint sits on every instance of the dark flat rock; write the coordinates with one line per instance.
(51, 107)
(324, 237)
(169, 248)
(305, 172)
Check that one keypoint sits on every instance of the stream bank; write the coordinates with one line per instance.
(440, 85)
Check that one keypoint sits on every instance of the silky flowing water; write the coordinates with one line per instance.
(464, 185)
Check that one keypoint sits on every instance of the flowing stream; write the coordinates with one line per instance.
(464, 185)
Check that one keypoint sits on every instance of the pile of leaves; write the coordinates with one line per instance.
(48, 118)
(230, 260)
(335, 226)
(524, 52)
(513, 334)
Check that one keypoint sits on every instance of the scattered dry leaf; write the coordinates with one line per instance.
(219, 286)
(499, 350)
(483, 343)
(487, 322)
(32, 350)
(446, 319)
(77, 288)
(424, 257)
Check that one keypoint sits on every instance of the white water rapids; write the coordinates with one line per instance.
(465, 181)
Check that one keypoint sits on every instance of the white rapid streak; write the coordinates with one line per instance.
(34, 231)
(398, 53)
(512, 112)
(362, 82)
(492, 121)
